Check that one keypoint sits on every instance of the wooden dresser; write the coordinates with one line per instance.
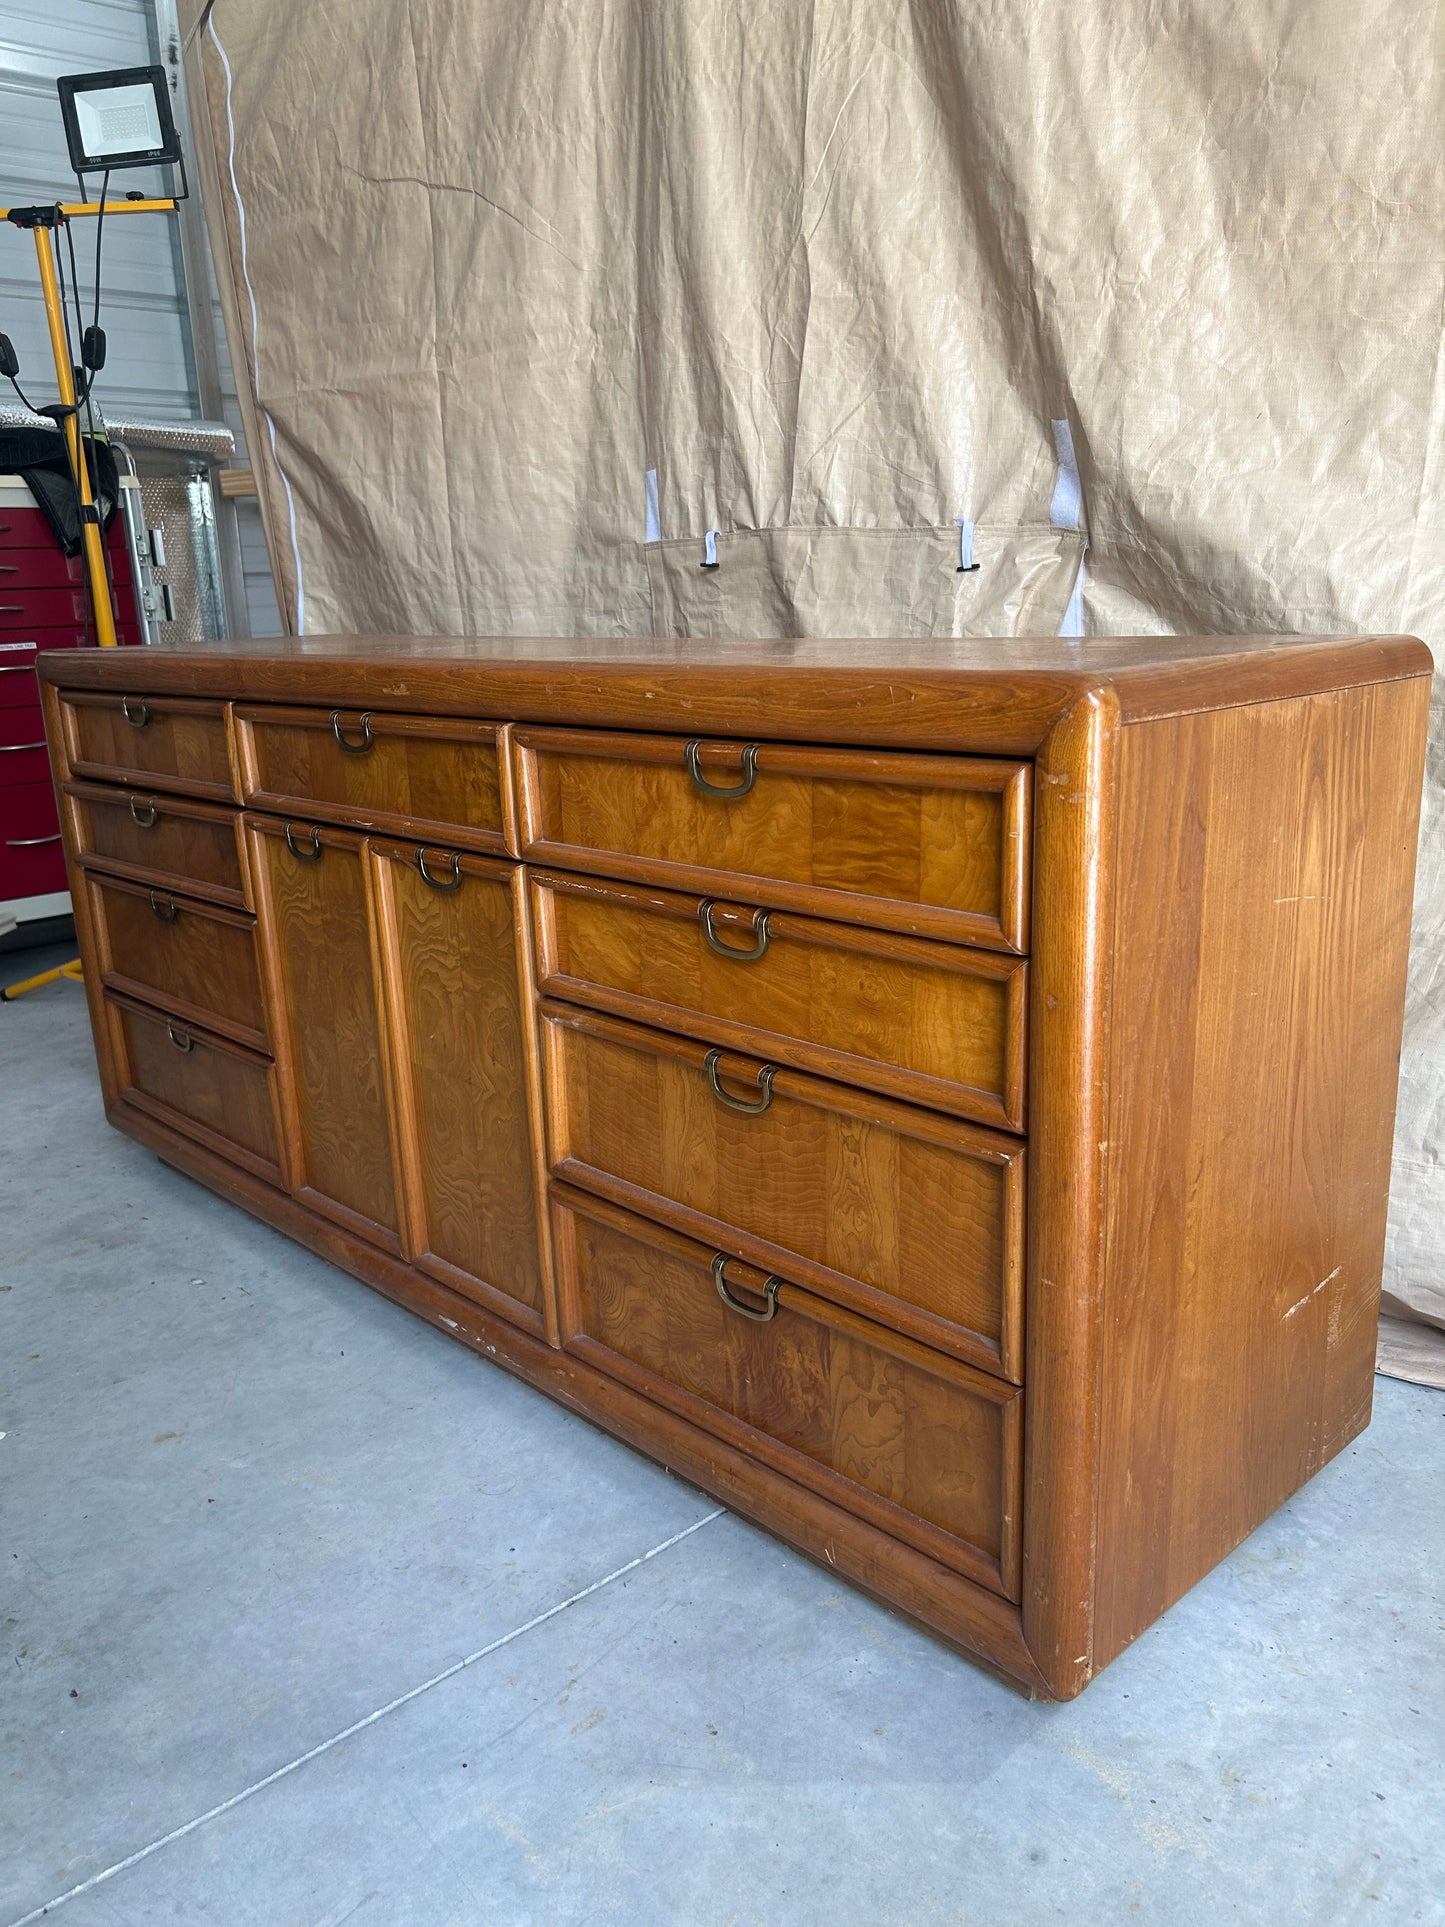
(937, 1097)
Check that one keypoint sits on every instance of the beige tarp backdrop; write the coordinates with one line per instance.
(1165, 282)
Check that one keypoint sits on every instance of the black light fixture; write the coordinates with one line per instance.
(117, 119)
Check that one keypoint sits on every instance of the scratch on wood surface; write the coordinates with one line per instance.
(1315, 1293)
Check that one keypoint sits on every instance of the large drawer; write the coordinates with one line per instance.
(216, 1092)
(23, 755)
(922, 1446)
(170, 841)
(32, 859)
(930, 1022)
(900, 1213)
(45, 565)
(196, 960)
(428, 777)
(935, 845)
(164, 742)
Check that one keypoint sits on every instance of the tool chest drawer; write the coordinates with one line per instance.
(23, 755)
(936, 845)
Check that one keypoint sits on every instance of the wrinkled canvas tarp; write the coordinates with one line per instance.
(534, 298)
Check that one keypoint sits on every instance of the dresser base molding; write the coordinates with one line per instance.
(964, 1616)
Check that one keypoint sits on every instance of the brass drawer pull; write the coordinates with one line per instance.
(146, 822)
(171, 910)
(749, 1108)
(184, 1041)
(313, 855)
(453, 882)
(700, 782)
(140, 717)
(770, 1294)
(368, 741)
(709, 931)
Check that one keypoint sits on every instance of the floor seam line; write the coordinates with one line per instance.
(360, 1726)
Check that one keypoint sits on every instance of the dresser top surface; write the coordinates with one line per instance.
(987, 693)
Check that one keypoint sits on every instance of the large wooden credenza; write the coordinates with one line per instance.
(935, 1096)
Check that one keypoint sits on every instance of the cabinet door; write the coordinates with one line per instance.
(313, 905)
(452, 928)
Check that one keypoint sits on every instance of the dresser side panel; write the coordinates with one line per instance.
(1264, 868)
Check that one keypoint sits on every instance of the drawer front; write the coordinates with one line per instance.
(28, 608)
(165, 742)
(32, 857)
(197, 960)
(896, 1212)
(169, 841)
(215, 1092)
(924, 1021)
(19, 684)
(415, 775)
(917, 1443)
(47, 566)
(935, 845)
(23, 755)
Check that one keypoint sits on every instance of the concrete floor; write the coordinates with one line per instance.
(311, 1617)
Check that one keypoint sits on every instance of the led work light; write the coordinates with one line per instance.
(118, 119)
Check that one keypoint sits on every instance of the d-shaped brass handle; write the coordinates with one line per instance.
(313, 855)
(452, 882)
(182, 1040)
(700, 782)
(164, 907)
(146, 821)
(709, 931)
(368, 741)
(748, 1106)
(137, 717)
(769, 1294)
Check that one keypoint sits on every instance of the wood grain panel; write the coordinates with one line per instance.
(927, 1021)
(217, 1092)
(901, 1214)
(1265, 860)
(933, 845)
(170, 842)
(421, 775)
(936, 1443)
(174, 743)
(335, 1072)
(458, 1019)
(198, 960)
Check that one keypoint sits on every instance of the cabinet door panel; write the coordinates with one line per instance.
(313, 906)
(461, 1033)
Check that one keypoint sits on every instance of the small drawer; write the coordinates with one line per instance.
(23, 755)
(47, 566)
(166, 840)
(197, 960)
(19, 684)
(923, 1447)
(903, 1215)
(934, 845)
(163, 742)
(32, 856)
(417, 776)
(29, 608)
(212, 1090)
(929, 1022)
